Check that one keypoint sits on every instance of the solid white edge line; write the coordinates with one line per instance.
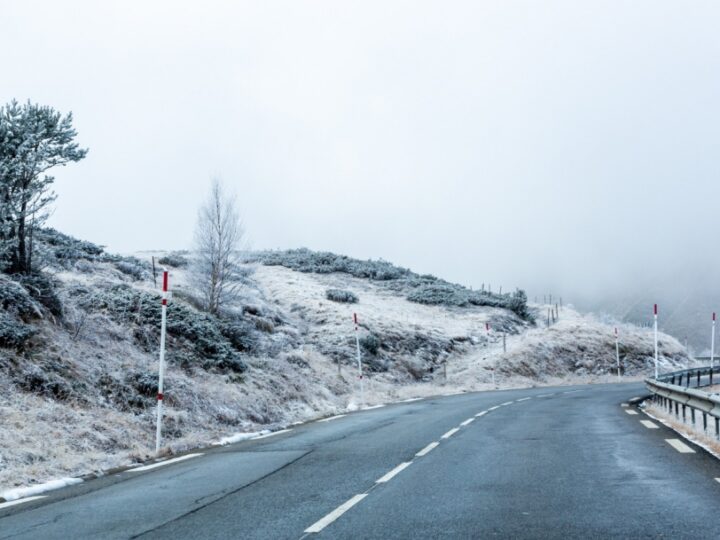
(523, 399)
(506, 403)
(624, 405)
(392, 473)
(373, 407)
(163, 463)
(468, 421)
(493, 408)
(481, 413)
(427, 449)
(331, 418)
(271, 434)
(630, 412)
(450, 433)
(411, 399)
(20, 501)
(332, 516)
(680, 446)
(717, 480)
(649, 424)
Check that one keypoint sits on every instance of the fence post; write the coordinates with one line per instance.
(359, 361)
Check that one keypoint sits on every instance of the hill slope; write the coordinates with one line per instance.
(79, 352)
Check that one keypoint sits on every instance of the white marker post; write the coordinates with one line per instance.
(656, 340)
(712, 347)
(161, 367)
(487, 334)
(617, 351)
(359, 361)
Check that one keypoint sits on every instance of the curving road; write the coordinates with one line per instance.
(568, 462)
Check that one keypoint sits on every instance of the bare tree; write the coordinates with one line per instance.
(218, 239)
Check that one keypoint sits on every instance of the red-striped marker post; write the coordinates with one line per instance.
(656, 339)
(359, 361)
(617, 351)
(161, 367)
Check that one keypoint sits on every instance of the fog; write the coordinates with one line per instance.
(566, 147)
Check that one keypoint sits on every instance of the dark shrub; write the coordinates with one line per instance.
(339, 295)
(176, 260)
(43, 289)
(370, 343)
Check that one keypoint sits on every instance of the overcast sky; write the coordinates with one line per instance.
(550, 145)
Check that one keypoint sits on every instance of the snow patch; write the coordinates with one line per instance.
(20, 493)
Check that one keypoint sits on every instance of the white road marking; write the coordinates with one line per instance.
(481, 413)
(468, 421)
(544, 395)
(717, 480)
(20, 501)
(523, 399)
(680, 446)
(273, 433)
(332, 516)
(411, 399)
(392, 473)
(427, 449)
(163, 463)
(330, 418)
(506, 403)
(450, 433)
(648, 424)
(493, 408)
(373, 407)
(624, 405)
(634, 399)
(630, 411)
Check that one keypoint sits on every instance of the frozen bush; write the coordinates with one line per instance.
(13, 332)
(339, 295)
(371, 343)
(43, 289)
(63, 250)
(176, 260)
(135, 268)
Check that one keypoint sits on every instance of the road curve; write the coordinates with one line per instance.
(565, 462)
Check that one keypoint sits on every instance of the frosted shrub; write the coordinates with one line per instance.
(339, 295)
(176, 260)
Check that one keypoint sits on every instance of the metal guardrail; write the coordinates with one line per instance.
(671, 394)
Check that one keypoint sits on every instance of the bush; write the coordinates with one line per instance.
(195, 332)
(135, 268)
(370, 343)
(64, 250)
(175, 260)
(13, 333)
(339, 295)
(43, 289)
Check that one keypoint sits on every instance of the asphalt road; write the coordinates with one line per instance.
(564, 462)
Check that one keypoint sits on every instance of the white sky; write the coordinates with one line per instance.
(549, 145)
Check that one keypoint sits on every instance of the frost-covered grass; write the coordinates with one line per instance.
(693, 432)
(81, 399)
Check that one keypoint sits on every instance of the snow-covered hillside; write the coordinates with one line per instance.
(79, 353)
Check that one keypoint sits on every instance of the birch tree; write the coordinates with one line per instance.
(218, 240)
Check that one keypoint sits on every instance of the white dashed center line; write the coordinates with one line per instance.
(468, 421)
(450, 433)
(630, 411)
(523, 399)
(648, 424)
(680, 446)
(392, 473)
(506, 403)
(332, 516)
(493, 408)
(481, 413)
(427, 449)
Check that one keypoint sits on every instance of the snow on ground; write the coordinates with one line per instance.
(45, 437)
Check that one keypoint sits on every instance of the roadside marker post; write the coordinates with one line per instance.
(359, 361)
(161, 366)
(712, 347)
(617, 352)
(487, 334)
(655, 318)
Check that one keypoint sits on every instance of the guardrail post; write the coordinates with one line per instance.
(684, 414)
(717, 428)
(677, 410)
(692, 416)
(698, 379)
